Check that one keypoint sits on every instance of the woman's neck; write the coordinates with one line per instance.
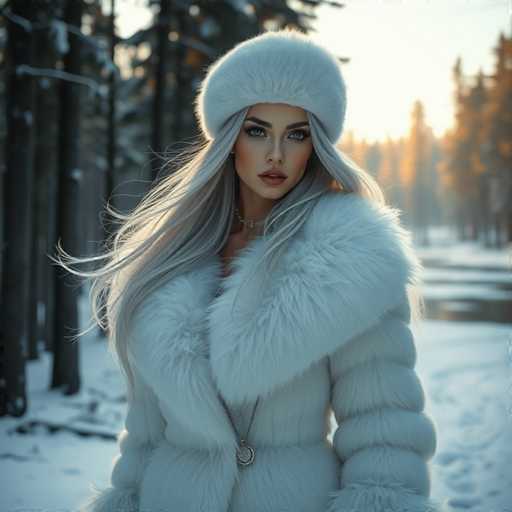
(251, 206)
(244, 233)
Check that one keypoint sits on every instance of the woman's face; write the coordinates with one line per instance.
(273, 135)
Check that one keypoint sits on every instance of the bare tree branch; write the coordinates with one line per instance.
(61, 75)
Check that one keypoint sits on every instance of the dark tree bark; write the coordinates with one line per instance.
(163, 22)
(17, 203)
(44, 192)
(179, 100)
(66, 354)
(111, 149)
(110, 173)
(509, 225)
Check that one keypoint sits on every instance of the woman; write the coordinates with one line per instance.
(244, 308)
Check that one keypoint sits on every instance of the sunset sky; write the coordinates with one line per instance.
(400, 51)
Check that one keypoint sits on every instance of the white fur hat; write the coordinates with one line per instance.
(284, 66)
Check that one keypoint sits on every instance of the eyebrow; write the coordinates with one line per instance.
(269, 125)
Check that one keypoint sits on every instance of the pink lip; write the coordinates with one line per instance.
(273, 171)
(272, 182)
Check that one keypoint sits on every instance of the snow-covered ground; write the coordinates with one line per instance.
(47, 465)
(466, 370)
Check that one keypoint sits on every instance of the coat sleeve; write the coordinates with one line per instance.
(135, 446)
(384, 439)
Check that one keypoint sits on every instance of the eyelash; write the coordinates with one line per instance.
(304, 132)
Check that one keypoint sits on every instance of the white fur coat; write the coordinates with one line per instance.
(330, 331)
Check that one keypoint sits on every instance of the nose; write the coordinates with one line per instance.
(276, 153)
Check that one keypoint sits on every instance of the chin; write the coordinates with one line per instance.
(267, 191)
(275, 193)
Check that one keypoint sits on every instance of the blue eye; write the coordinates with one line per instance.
(304, 133)
(250, 130)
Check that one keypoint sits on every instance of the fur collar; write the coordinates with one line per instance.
(342, 272)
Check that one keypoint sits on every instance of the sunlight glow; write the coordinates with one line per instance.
(403, 51)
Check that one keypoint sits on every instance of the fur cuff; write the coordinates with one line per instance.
(379, 498)
(111, 499)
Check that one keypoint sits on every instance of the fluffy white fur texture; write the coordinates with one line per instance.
(330, 330)
(349, 269)
(112, 499)
(284, 66)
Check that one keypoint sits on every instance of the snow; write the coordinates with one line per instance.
(64, 459)
(464, 368)
(466, 275)
(60, 34)
(466, 372)
(464, 254)
(76, 174)
(27, 116)
(464, 291)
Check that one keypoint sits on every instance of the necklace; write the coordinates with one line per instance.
(245, 452)
(250, 223)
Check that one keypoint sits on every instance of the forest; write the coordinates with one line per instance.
(91, 118)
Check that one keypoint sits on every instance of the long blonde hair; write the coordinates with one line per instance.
(188, 216)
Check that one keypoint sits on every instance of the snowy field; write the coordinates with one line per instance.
(47, 463)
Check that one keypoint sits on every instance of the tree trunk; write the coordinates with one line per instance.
(66, 354)
(160, 74)
(179, 100)
(508, 220)
(44, 171)
(110, 174)
(111, 149)
(17, 201)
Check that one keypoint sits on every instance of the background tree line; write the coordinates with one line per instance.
(464, 177)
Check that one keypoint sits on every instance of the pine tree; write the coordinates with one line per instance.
(17, 214)
(497, 148)
(416, 172)
(65, 371)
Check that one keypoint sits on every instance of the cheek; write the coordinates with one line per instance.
(247, 155)
(301, 158)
